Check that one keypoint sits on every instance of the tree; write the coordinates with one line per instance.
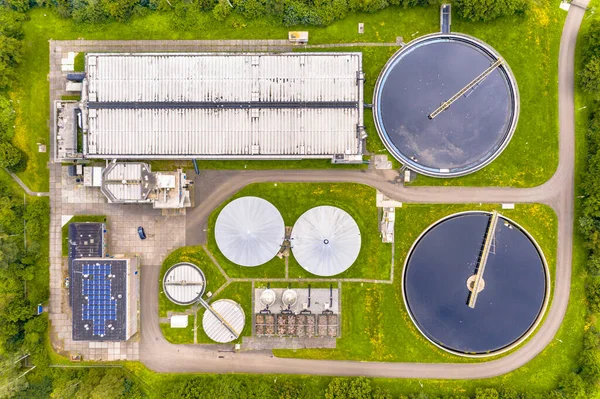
(589, 76)
(10, 156)
(7, 119)
(487, 10)
(221, 10)
(593, 295)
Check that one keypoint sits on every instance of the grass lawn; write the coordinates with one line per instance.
(375, 324)
(179, 335)
(197, 256)
(78, 219)
(292, 200)
(527, 43)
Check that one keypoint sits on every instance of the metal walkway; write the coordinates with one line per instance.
(465, 89)
(220, 105)
(445, 18)
(219, 317)
(489, 237)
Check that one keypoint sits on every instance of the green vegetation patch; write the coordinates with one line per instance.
(292, 200)
(78, 219)
(79, 65)
(375, 323)
(197, 256)
(179, 335)
(71, 98)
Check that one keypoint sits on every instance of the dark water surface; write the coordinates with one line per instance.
(436, 290)
(466, 134)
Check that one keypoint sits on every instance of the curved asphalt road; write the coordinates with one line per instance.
(159, 355)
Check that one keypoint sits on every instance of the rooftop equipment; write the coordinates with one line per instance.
(249, 231)
(326, 240)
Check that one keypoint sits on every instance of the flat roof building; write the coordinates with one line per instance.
(134, 182)
(104, 295)
(223, 106)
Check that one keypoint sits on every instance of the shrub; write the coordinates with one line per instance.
(589, 76)
(487, 10)
(221, 10)
(10, 156)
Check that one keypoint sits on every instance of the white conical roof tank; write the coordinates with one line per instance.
(249, 231)
(325, 240)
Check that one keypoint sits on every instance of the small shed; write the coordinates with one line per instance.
(298, 37)
(179, 321)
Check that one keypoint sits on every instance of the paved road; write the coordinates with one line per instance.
(161, 356)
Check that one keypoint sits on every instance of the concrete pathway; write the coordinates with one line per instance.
(24, 186)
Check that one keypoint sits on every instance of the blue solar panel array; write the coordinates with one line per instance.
(96, 289)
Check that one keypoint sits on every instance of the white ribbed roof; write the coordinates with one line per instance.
(234, 316)
(273, 131)
(223, 77)
(184, 283)
(148, 105)
(249, 231)
(325, 240)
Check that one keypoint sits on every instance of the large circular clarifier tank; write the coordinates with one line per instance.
(467, 135)
(438, 282)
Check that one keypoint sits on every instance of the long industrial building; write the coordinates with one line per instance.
(223, 106)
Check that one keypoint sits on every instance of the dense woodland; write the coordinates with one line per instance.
(24, 348)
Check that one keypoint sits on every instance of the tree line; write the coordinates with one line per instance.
(287, 12)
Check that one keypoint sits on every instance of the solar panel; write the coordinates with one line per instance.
(96, 289)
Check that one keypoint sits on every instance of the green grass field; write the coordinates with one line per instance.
(292, 200)
(179, 335)
(527, 43)
(375, 324)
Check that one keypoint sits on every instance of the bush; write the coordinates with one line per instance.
(487, 10)
(589, 75)
(10, 156)
(221, 10)
(593, 295)
(7, 119)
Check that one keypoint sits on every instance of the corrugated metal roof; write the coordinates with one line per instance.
(184, 283)
(288, 129)
(228, 132)
(232, 313)
(223, 77)
(125, 171)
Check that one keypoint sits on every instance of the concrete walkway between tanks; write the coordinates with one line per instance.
(159, 355)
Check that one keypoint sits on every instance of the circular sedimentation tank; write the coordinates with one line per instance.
(439, 279)
(472, 131)
(231, 325)
(184, 283)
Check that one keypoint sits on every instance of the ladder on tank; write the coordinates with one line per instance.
(465, 89)
(219, 317)
(487, 246)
